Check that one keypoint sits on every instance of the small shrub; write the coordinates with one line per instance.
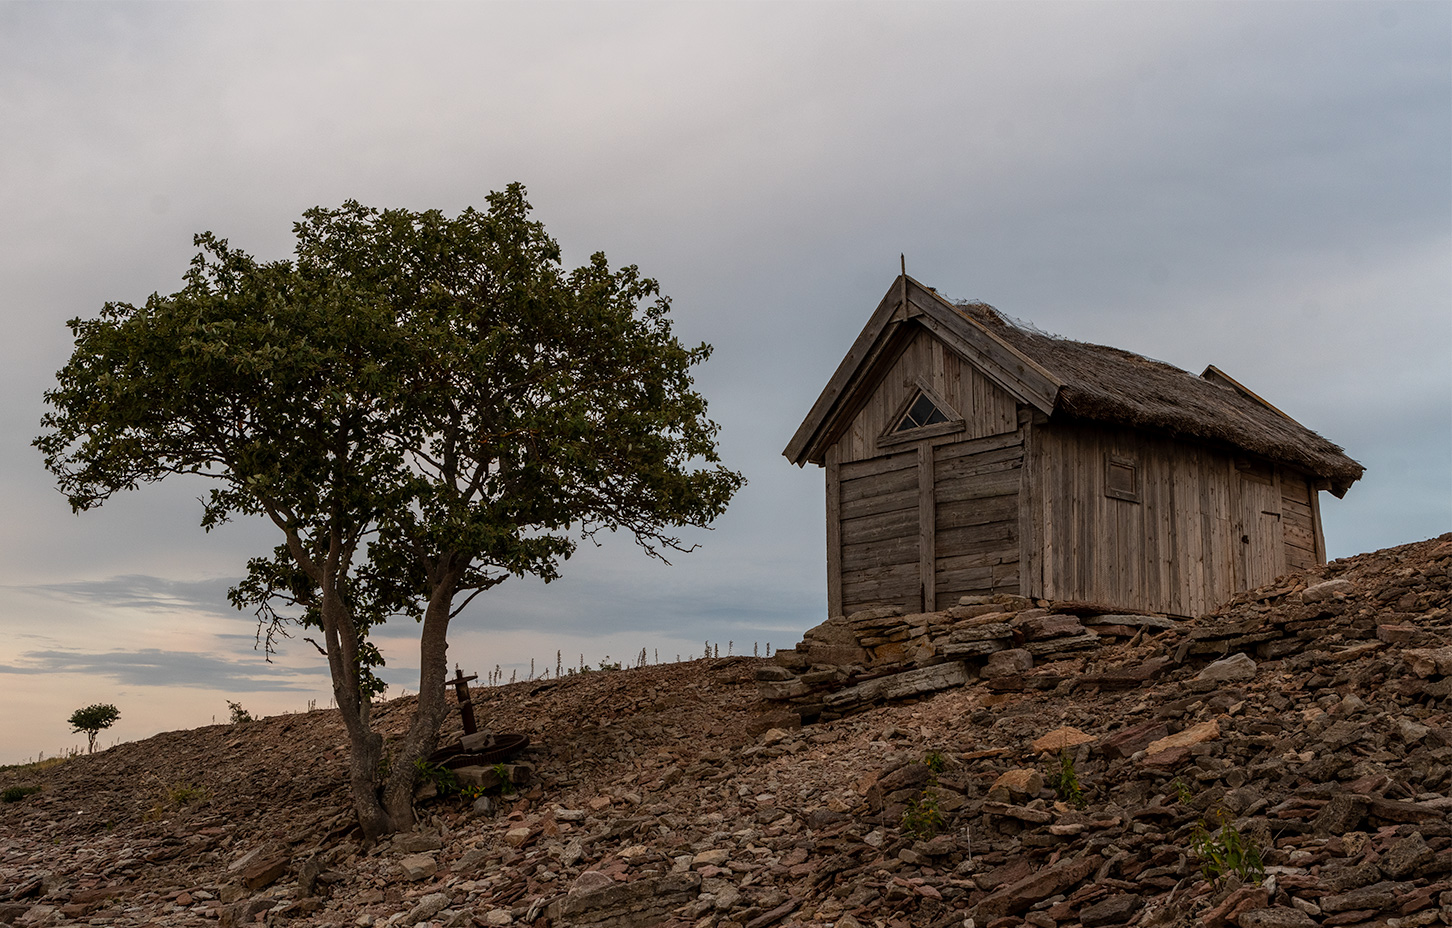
(923, 818)
(936, 762)
(17, 793)
(1225, 851)
(1065, 782)
(239, 714)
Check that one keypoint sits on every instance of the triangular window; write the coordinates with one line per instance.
(922, 412)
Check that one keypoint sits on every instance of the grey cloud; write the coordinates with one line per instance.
(154, 667)
(139, 591)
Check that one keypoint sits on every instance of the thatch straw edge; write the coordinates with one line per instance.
(1115, 386)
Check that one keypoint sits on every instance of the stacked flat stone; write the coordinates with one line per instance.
(850, 663)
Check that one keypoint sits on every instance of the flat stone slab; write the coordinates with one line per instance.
(1195, 734)
(1061, 739)
(418, 867)
(902, 685)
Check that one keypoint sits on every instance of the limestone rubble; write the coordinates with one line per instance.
(1310, 720)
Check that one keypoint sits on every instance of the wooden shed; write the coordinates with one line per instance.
(967, 454)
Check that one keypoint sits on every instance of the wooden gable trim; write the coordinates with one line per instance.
(907, 300)
(1217, 376)
(1024, 378)
(867, 345)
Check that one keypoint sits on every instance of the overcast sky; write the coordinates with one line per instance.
(1265, 187)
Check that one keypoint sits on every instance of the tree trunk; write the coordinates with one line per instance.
(365, 745)
(430, 709)
(365, 755)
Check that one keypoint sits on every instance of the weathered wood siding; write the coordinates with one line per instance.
(1169, 551)
(977, 518)
(1298, 523)
(919, 524)
(985, 407)
(879, 532)
(1203, 524)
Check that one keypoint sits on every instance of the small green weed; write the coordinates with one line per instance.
(472, 792)
(440, 776)
(1224, 851)
(239, 714)
(182, 794)
(1183, 795)
(17, 793)
(923, 818)
(506, 782)
(173, 799)
(1065, 782)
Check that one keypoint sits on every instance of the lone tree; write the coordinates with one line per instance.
(91, 720)
(423, 406)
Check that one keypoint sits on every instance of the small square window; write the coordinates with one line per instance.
(1121, 478)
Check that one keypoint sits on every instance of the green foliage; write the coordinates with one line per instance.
(182, 793)
(1183, 795)
(175, 798)
(1224, 851)
(239, 714)
(506, 782)
(423, 406)
(1065, 782)
(935, 762)
(443, 779)
(17, 793)
(92, 719)
(923, 817)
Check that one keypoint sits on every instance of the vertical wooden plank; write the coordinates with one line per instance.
(1030, 557)
(834, 533)
(935, 372)
(1072, 586)
(954, 365)
(1086, 515)
(1189, 528)
(1169, 554)
(1279, 529)
(1238, 529)
(1316, 532)
(1209, 479)
(1048, 502)
(927, 527)
(1171, 578)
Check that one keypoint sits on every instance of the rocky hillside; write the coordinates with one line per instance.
(1286, 761)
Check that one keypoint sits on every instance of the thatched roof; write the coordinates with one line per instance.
(1111, 385)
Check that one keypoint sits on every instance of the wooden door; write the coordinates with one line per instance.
(1260, 541)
